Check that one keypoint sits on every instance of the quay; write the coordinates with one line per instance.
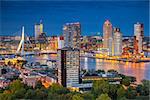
(119, 59)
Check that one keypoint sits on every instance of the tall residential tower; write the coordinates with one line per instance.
(71, 33)
(117, 40)
(139, 33)
(68, 66)
(107, 36)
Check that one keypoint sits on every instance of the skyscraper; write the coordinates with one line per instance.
(139, 33)
(38, 28)
(68, 66)
(71, 33)
(117, 36)
(107, 36)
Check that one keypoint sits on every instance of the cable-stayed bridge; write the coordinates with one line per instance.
(20, 49)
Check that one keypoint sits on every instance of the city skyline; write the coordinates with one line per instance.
(90, 14)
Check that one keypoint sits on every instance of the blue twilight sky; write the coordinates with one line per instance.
(91, 15)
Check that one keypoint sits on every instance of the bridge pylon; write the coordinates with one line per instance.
(21, 44)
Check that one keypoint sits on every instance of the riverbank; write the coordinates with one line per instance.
(121, 59)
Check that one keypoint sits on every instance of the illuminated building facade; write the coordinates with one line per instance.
(135, 45)
(139, 33)
(102, 52)
(107, 36)
(54, 43)
(71, 33)
(68, 66)
(41, 42)
(38, 28)
(60, 42)
(117, 36)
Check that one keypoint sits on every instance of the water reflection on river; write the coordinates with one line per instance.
(139, 70)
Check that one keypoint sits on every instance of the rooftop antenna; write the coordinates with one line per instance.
(40, 21)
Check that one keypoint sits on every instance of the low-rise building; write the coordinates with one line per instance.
(30, 78)
(4, 82)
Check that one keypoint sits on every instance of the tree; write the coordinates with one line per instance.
(56, 88)
(4, 96)
(126, 81)
(131, 93)
(100, 87)
(146, 88)
(121, 92)
(40, 94)
(121, 75)
(30, 94)
(112, 71)
(100, 71)
(38, 85)
(132, 79)
(113, 90)
(122, 98)
(143, 89)
(77, 97)
(139, 89)
(19, 94)
(53, 96)
(103, 97)
(88, 96)
(16, 85)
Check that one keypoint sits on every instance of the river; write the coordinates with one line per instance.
(139, 70)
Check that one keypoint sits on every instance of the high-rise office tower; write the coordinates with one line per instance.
(68, 66)
(117, 36)
(38, 28)
(139, 33)
(107, 36)
(71, 33)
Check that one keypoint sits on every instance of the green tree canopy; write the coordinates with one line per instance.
(56, 88)
(88, 96)
(144, 88)
(113, 91)
(19, 94)
(40, 95)
(126, 81)
(103, 97)
(38, 85)
(131, 93)
(5, 96)
(121, 92)
(30, 94)
(77, 97)
(16, 85)
(100, 71)
(112, 71)
(100, 87)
